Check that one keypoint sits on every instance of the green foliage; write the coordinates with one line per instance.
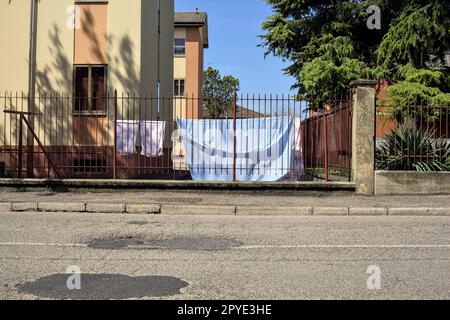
(418, 87)
(218, 93)
(330, 45)
(417, 29)
(324, 79)
(410, 149)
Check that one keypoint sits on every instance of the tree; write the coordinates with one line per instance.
(329, 44)
(218, 93)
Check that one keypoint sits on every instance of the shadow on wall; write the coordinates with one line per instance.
(54, 91)
(56, 104)
(57, 125)
(88, 28)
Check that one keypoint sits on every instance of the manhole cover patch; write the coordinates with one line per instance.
(104, 286)
(176, 243)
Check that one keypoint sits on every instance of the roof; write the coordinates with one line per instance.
(245, 113)
(194, 19)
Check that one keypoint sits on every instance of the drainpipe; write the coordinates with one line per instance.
(32, 82)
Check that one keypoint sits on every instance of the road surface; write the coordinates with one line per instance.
(217, 257)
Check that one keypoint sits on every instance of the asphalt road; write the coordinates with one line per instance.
(187, 257)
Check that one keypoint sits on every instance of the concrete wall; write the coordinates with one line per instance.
(409, 182)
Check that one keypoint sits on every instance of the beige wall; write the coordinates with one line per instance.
(128, 44)
(166, 48)
(14, 34)
(53, 71)
(91, 40)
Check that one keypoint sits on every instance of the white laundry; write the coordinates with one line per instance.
(152, 138)
(298, 166)
(127, 132)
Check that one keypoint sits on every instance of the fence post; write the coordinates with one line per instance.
(115, 136)
(234, 137)
(19, 173)
(325, 147)
(363, 135)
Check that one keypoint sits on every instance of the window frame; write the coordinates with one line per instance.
(75, 111)
(179, 93)
(175, 47)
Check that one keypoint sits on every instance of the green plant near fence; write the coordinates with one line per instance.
(411, 149)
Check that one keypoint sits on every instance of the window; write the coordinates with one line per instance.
(178, 88)
(90, 89)
(180, 47)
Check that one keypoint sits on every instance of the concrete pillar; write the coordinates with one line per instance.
(363, 134)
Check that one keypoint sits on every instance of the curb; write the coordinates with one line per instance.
(197, 210)
(222, 210)
(273, 211)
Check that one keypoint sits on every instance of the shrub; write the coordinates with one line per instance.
(411, 149)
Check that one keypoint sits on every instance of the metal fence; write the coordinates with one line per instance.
(327, 140)
(124, 136)
(413, 138)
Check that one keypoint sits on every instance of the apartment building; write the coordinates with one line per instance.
(85, 51)
(191, 38)
(124, 45)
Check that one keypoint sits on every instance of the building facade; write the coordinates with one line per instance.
(86, 50)
(191, 38)
(131, 40)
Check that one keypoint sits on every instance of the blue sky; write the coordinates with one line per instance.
(234, 26)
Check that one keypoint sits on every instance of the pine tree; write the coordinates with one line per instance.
(329, 45)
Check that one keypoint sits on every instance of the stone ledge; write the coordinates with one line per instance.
(168, 209)
(110, 184)
(368, 211)
(143, 208)
(106, 208)
(61, 207)
(197, 210)
(408, 211)
(276, 211)
(24, 207)
(330, 211)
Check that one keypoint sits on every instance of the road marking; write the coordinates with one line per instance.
(345, 246)
(17, 244)
(305, 246)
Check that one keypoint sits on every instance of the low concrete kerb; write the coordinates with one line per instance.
(221, 210)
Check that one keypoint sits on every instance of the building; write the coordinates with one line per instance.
(191, 38)
(128, 44)
(85, 51)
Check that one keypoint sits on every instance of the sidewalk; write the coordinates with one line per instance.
(224, 203)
